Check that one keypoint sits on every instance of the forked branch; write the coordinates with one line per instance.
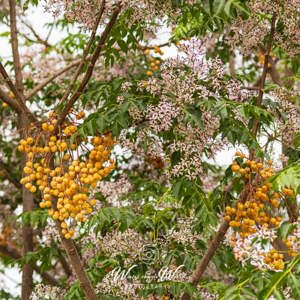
(91, 66)
(84, 55)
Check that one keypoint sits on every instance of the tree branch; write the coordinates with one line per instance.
(23, 34)
(215, 242)
(274, 73)
(20, 105)
(77, 265)
(264, 73)
(49, 32)
(36, 35)
(41, 85)
(15, 48)
(231, 64)
(213, 246)
(91, 65)
(27, 197)
(84, 55)
(15, 254)
(11, 102)
(65, 265)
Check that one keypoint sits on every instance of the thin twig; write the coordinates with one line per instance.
(15, 47)
(19, 95)
(90, 68)
(49, 33)
(231, 64)
(36, 35)
(251, 88)
(141, 47)
(41, 85)
(84, 55)
(23, 34)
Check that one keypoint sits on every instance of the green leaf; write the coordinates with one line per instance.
(289, 177)
(5, 34)
(277, 279)
(294, 283)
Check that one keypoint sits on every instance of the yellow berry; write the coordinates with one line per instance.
(45, 126)
(149, 73)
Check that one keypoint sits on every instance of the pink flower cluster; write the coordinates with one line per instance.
(192, 146)
(289, 126)
(248, 35)
(81, 11)
(114, 190)
(84, 11)
(188, 80)
(161, 116)
(252, 248)
(39, 64)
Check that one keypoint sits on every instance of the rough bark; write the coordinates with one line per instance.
(28, 204)
(15, 47)
(27, 233)
(77, 266)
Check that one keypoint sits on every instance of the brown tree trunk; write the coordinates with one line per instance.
(28, 203)
(27, 233)
(77, 266)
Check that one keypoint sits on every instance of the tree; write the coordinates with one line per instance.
(110, 147)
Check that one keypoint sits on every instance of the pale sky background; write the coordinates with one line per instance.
(12, 277)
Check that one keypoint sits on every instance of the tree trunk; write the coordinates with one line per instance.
(27, 233)
(77, 266)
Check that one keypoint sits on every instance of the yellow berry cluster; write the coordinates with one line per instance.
(274, 259)
(5, 235)
(154, 62)
(65, 172)
(290, 244)
(258, 209)
(261, 58)
(251, 167)
(261, 206)
(288, 192)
